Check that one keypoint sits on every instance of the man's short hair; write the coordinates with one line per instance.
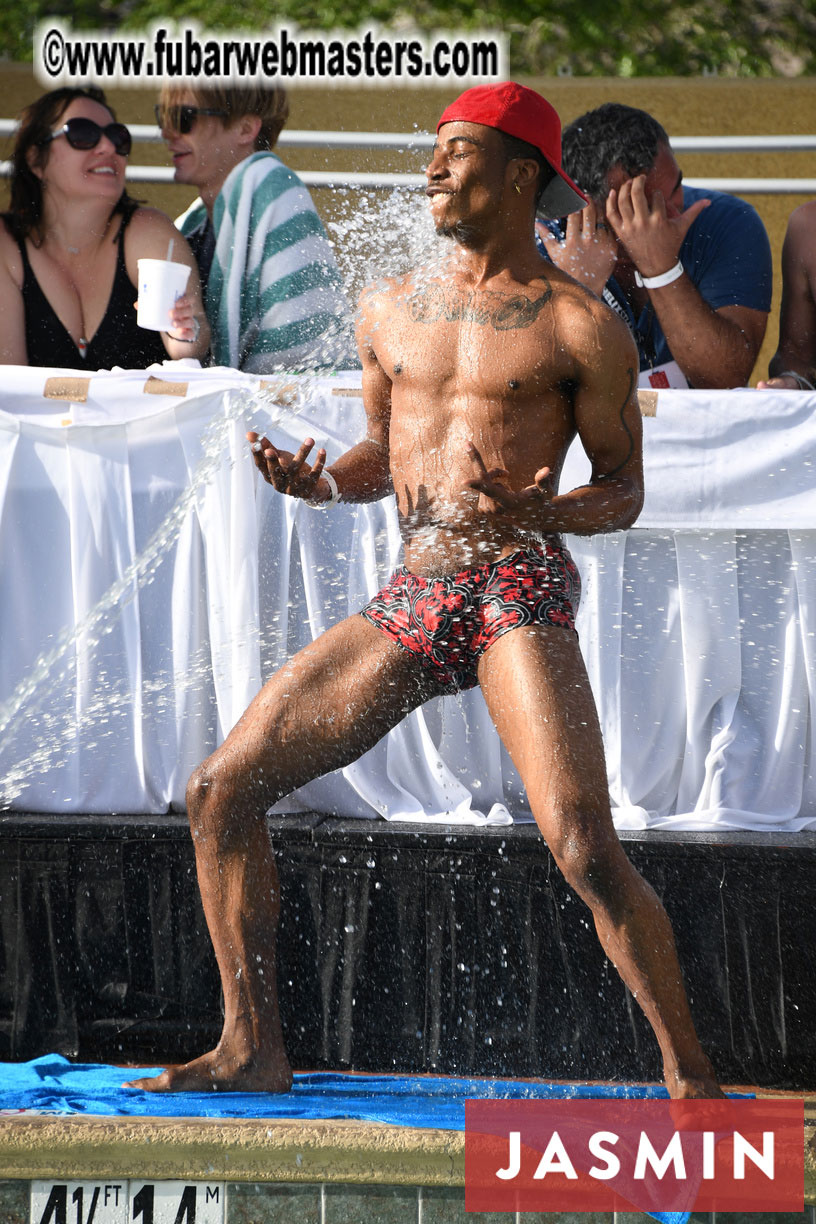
(611, 135)
(514, 147)
(270, 105)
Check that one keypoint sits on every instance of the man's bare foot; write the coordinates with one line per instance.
(702, 1086)
(220, 1072)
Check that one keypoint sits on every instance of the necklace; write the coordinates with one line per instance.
(69, 248)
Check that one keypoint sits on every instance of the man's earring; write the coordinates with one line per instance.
(518, 189)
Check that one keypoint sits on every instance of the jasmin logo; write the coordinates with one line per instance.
(655, 1155)
(556, 1159)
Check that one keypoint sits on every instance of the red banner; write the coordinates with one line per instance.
(646, 1155)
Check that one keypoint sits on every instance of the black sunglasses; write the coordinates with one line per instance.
(182, 118)
(86, 134)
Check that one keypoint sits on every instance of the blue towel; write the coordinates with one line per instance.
(53, 1085)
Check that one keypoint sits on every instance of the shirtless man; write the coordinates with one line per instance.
(476, 378)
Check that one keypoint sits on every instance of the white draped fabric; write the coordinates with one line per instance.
(150, 582)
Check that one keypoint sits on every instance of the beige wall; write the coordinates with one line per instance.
(685, 107)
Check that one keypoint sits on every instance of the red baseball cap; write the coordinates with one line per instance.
(521, 112)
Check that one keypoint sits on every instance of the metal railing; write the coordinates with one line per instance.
(412, 141)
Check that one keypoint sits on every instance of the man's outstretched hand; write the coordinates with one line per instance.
(286, 472)
(528, 508)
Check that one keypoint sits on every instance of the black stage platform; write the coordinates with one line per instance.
(404, 948)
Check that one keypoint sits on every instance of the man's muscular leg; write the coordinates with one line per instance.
(538, 694)
(323, 709)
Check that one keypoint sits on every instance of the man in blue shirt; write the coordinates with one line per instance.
(689, 270)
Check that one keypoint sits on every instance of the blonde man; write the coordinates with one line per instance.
(273, 292)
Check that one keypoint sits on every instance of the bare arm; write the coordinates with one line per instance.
(609, 425)
(713, 348)
(796, 350)
(12, 317)
(148, 236)
(363, 473)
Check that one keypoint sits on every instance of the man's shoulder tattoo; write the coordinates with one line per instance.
(501, 311)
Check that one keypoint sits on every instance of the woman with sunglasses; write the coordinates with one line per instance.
(70, 244)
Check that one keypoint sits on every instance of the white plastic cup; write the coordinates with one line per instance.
(161, 283)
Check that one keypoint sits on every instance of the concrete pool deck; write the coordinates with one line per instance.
(325, 1172)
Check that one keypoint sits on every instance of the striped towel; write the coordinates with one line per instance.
(274, 297)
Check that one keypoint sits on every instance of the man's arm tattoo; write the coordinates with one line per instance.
(631, 449)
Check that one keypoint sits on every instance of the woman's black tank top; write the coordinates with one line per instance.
(118, 341)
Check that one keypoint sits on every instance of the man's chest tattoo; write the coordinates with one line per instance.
(501, 311)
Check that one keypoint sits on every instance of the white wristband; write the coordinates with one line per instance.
(665, 278)
(334, 497)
